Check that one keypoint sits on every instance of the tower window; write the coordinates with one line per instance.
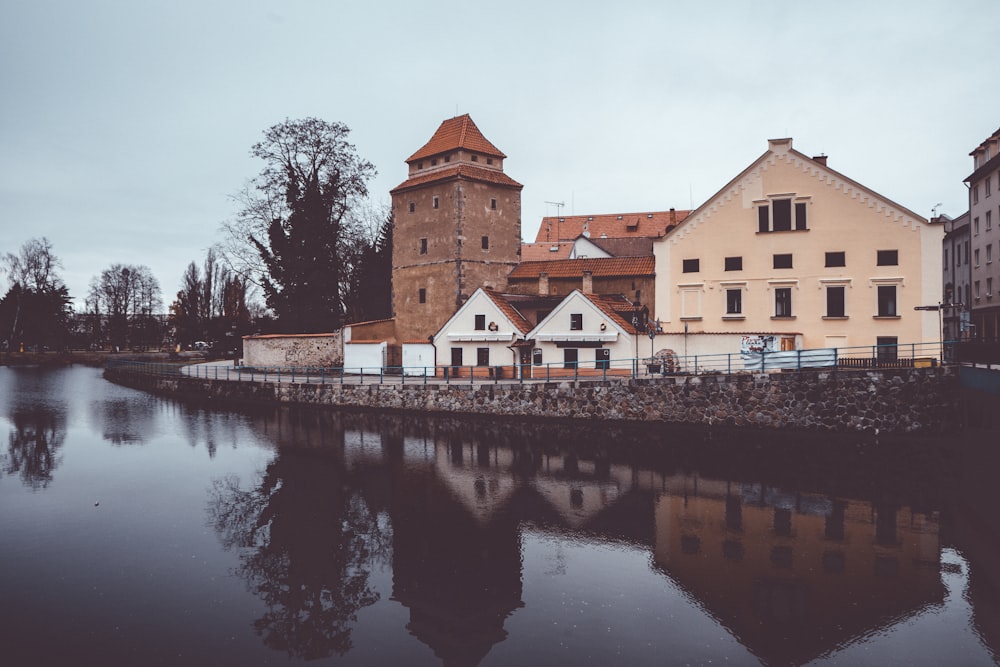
(489, 160)
(475, 158)
(437, 202)
(423, 246)
(422, 295)
(486, 243)
(413, 207)
(493, 204)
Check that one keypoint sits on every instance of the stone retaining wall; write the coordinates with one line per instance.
(919, 400)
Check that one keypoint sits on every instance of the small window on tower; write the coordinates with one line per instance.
(423, 246)
(475, 158)
(422, 295)
(493, 204)
(437, 202)
(489, 160)
(413, 207)
(486, 243)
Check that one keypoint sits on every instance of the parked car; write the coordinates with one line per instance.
(200, 345)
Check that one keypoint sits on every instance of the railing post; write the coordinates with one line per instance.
(696, 364)
(576, 371)
(729, 363)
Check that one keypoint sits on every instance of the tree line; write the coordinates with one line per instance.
(306, 252)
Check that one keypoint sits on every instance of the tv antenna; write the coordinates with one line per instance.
(935, 208)
(558, 205)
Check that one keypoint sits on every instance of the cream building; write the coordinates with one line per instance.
(794, 250)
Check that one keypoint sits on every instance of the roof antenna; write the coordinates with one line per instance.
(935, 208)
(558, 205)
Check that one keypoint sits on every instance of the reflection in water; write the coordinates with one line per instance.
(792, 574)
(307, 540)
(36, 435)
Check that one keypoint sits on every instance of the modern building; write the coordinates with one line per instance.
(457, 227)
(984, 214)
(792, 248)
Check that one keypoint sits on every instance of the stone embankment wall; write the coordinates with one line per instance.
(920, 400)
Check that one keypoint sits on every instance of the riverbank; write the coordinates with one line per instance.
(95, 358)
(905, 401)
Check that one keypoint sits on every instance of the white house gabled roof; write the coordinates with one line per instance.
(505, 323)
(600, 321)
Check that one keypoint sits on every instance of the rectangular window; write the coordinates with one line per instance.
(493, 204)
(836, 258)
(887, 257)
(800, 216)
(989, 288)
(423, 246)
(602, 357)
(486, 243)
(422, 295)
(976, 289)
(989, 220)
(989, 253)
(480, 323)
(475, 158)
(989, 186)
(975, 257)
(734, 302)
(763, 219)
(946, 258)
(975, 195)
(975, 226)
(413, 207)
(570, 357)
(536, 356)
(456, 356)
(887, 348)
(576, 322)
(835, 301)
(482, 356)
(783, 302)
(437, 202)
(887, 301)
(691, 265)
(783, 261)
(734, 263)
(489, 160)
(782, 215)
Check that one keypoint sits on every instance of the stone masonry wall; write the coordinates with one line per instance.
(898, 401)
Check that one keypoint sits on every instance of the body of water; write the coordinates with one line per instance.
(137, 530)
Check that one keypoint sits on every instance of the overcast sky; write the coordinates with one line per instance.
(125, 126)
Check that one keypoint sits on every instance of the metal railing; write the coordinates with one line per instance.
(907, 355)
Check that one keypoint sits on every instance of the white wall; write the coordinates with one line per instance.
(418, 358)
(365, 358)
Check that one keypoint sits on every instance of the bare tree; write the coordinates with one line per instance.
(123, 292)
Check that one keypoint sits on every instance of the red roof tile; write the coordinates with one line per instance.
(616, 308)
(463, 171)
(539, 252)
(509, 311)
(613, 225)
(600, 267)
(455, 133)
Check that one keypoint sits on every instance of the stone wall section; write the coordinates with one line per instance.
(897, 401)
(294, 350)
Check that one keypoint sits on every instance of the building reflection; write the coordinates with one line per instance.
(793, 575)
(796, 575)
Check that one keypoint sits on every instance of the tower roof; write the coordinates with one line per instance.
(455, 133)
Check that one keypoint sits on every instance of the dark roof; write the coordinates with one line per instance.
(600, 267)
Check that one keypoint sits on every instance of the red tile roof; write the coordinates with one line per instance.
(600, 267)
(455, 133)
(613, 225)
(538, 252)
(617, 308)
(509, 311)
(464, 171)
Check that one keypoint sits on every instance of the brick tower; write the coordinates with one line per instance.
(457, 223)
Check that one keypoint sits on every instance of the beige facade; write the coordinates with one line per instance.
(984, 253)
(795, 249)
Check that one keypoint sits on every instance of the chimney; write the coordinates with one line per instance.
(673, 216)
(821, 159)
(588, 282)
(543, 284)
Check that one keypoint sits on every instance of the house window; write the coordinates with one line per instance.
(734, 301)
(493, 204)
(486, 242)
(989, 185)
(480, 323)
(423, 246)
(422, 295)
(783, 302)
(777, 216)
(835, 301)
(413, 207)
(734, 263)
(945, 258)
(887, 257)
(989, 253)
(836, 258)
(887, 348)
(975, 195)
(570, 357)
(975, 226)
(989, 288)
(576, 322)
(989, 220)
(975, 257)
(437, 202)
(456, 356)
(887, 301)
(783, 261)
(976, 289)
(482, 356)
(602, 357)
(536, 356)
(691, 265)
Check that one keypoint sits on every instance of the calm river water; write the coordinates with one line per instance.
(136, 530)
